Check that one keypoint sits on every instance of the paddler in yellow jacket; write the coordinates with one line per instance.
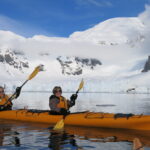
(5, 102)
(59, 105)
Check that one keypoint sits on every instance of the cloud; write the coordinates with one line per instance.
(21, 28)
(97, 3)
(145, 16)
(7, 23)
(68, 46)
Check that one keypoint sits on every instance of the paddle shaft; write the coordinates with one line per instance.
(11, 98)
(24, 83)
(77, 92)
(60, 124)
(32, 75)
(64, 116)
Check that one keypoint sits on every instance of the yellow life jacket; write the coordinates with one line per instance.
(63, 103)
(4, 99)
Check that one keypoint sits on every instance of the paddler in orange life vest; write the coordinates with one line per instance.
(58, 104)
(4, 103)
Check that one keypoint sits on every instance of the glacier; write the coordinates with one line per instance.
(120, 46)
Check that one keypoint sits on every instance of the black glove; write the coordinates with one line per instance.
(1, 107)
(73, 97)
(63, 111)
(18, 90)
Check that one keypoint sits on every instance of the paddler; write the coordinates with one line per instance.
(58, 104)
(5, 103)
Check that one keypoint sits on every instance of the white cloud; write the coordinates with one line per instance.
(118, 60)
(102, 3)
(145, 16)
(7, 23)
(19, 27)
(73, 47)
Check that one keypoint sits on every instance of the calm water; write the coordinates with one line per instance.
(19, 135)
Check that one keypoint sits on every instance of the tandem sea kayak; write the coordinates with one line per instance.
(84, 119)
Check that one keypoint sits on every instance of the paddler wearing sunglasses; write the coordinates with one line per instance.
(5, 104)
(58, 104)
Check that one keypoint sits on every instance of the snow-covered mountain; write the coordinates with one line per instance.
(113, 32)
(110, 56)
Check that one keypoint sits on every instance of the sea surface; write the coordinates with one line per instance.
(24, 135)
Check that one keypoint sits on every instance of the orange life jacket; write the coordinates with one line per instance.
(3, 100)
(63, 103)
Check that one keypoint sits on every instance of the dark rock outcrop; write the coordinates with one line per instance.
(147, 65)
(10, 58)
(75, 65)
(1, 58)
(92, 62)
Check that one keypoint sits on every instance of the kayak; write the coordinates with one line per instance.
(85, 119)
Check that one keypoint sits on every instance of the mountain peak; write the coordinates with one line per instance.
(113, 31)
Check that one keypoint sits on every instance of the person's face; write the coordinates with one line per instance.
(58, 93)
(1, 92)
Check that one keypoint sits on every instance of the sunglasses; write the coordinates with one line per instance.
(58, 91)
(1, 91)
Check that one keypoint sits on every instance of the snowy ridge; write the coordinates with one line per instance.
(113, 31)
(109, 56)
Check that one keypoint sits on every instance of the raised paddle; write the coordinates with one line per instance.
(80, 86)
(32, 75)
(60, 124)
(137, 145)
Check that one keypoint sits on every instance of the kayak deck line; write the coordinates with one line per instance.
(85, 119)
(88, 115)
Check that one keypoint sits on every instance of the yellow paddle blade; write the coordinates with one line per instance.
(35, 72)
(81, 85)
(59, 125)
(137, 144)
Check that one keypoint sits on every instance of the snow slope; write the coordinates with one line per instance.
(109, 56)
(113, 31)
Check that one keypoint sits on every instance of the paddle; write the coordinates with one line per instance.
(137, 145)
(60, 124)
(32, 75)
(80, 86)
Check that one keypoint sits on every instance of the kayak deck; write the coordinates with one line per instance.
(87, 119)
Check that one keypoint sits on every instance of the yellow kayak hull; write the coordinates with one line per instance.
(85, 119)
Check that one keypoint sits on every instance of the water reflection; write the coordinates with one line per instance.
(2, 131)
(17, 141)
(62, 140)
(37, 136)
(7, 133)
(109, 135)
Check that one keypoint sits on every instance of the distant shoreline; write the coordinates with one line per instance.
(85, 92)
